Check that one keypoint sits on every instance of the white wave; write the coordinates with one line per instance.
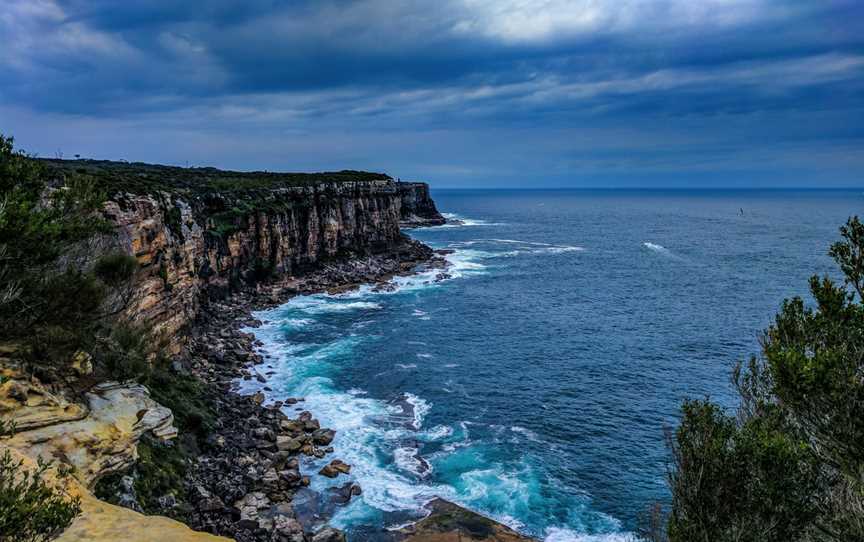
(655, 247)
(660, 249)
(437, 433)
(559, 250)
(406, 365)
(409, 460)
(324, 308)
(425, 356)
(451, 365)
(458, 221)
(418, 312)
(298, 322)
(560, 534)
(524, 247)
(518, 242)
(464, 262)
(421, 408)
(527, 433)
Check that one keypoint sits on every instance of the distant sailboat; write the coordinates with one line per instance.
(741, 211)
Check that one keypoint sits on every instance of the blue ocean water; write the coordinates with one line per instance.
(535, 384)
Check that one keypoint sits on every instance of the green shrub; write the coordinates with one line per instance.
(187, 397)
(124, 354)
(116, 268)
(790, 466)
(30, 510)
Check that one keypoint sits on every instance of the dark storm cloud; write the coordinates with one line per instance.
(482, 71)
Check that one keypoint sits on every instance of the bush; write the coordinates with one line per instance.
(47, 303)
(187, 397)
(30, 510)
(790, 466)
(124, 354)
(115, 269)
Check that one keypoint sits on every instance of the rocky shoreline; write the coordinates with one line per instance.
(247, 482)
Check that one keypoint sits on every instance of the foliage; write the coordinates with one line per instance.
(161, 468)
(748, 482)
(790, 466)
(223, 198)
(54, 298)
(31, 510)
(186, 396)
(140, 178)
(116, 268)
(124, 353)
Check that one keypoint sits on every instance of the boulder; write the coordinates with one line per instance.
(288, 444)
(323, 436)
(329, 534)
(106, 439)
(335, 468)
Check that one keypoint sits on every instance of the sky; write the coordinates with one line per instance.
(459, 93)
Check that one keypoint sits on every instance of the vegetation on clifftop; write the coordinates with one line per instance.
(58, 296)
(789, 466)
(140, 178)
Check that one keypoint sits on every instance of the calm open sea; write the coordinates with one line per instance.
(534, 385)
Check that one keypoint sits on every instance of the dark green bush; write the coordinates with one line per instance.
(187, 397)
(124, 354)
(115, 269)
(30, 510)
(790, 466)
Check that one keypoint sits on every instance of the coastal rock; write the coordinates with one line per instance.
(28, 404)
(343, 494)
(329, 534)
(105, 440)
(288, 444)
(103, 522)
(448, 522)
(417, 207)
(335, 468)
(127, 498)
(323, 436)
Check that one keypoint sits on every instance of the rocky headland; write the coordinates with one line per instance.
(212, 247)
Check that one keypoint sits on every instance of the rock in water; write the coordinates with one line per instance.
(329, 534)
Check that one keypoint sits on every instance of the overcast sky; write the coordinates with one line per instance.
(474, 93)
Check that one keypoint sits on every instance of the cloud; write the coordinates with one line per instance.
(538, 70)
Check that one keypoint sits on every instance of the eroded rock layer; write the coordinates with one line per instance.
(193, 247)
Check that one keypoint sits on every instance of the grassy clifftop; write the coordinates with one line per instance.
(141, 178)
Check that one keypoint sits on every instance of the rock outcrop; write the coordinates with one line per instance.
(417, 207)
(103, 522)
(448, 522)
(96, 437)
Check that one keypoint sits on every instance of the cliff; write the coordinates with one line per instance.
(200, 233)
(417, 206)
(198, 236)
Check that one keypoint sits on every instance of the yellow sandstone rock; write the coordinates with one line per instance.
(105, 439)
(103, 522)
(96, 439)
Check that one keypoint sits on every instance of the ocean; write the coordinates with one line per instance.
(534, 385)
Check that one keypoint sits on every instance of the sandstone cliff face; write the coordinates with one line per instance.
(191, 249)
(418, 208)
